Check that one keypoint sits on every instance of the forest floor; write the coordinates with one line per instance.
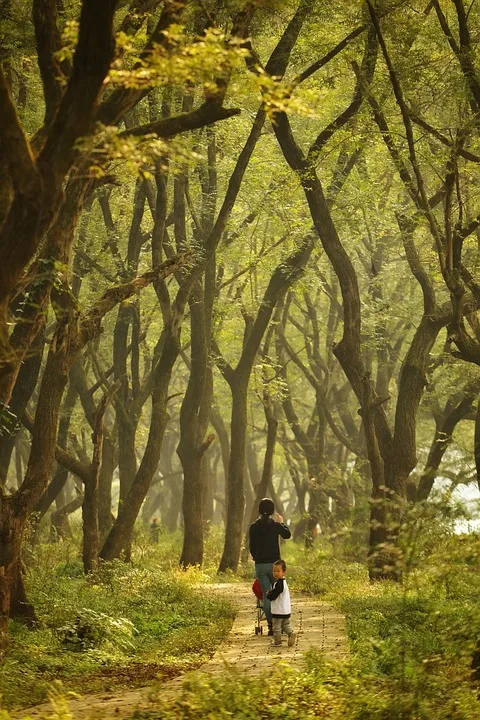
(317, 624)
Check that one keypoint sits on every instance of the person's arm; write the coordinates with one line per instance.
(276, 590)
(252, 541)
(284, 531)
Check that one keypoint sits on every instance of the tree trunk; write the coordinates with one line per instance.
(236, 498)
(24, 387)
(222, 434)
(61, 474)
(12, 594)
(172, 512)
(192, 507)
(91, 538)
(267, 472)
(105, 518)
(194, 415)
(209, 483)
(20, 607)
(445, 425)
(60, 525)
(120, 535)
(252, 480)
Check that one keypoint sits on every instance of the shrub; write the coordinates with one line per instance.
(91, 629)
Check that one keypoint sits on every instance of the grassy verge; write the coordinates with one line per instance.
(127, 626)
(324, 690)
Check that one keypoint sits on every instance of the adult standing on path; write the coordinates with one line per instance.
(264, 548)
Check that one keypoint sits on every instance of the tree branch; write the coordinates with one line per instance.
(341, 437)
(14, 146)
(124, 99)
(91, 62)
(78, 468)
(48, 42)
(90, 322)
(318, 64)
(206, 114)
(364, 78)
(444, 140)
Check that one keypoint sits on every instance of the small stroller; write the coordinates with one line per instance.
(257, 591)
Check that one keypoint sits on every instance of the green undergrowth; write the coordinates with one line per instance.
(126, 626)
(411, 645)
(337, 691)
(411, 642)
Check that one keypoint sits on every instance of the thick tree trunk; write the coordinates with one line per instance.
(194, 416)
(236, 497)
(192, 506)
(12, 595)
(380, 565)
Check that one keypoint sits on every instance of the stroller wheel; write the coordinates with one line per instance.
(256, 630)
(261, 629)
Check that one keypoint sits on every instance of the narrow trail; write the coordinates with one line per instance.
(318, 625)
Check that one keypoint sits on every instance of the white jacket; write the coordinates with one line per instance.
(280, 599)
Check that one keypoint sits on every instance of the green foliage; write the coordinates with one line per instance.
(337, 691)
(411, 642)
(183, 61)
(127, 625)
(91, 629)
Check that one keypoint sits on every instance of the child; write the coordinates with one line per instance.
(279, 597)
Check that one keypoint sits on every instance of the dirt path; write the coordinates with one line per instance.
(318, 625)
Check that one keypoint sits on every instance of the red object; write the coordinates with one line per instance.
(257, 590)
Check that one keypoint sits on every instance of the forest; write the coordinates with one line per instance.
(239, 258)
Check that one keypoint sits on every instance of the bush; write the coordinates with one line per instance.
(91, 629)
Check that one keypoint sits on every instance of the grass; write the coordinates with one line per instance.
(127, 626)
(324, 690)
(411, 642)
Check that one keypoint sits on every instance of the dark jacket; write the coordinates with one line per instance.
(264, 540)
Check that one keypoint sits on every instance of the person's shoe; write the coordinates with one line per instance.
(276, 644)
(291, 639)
(270, 630)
